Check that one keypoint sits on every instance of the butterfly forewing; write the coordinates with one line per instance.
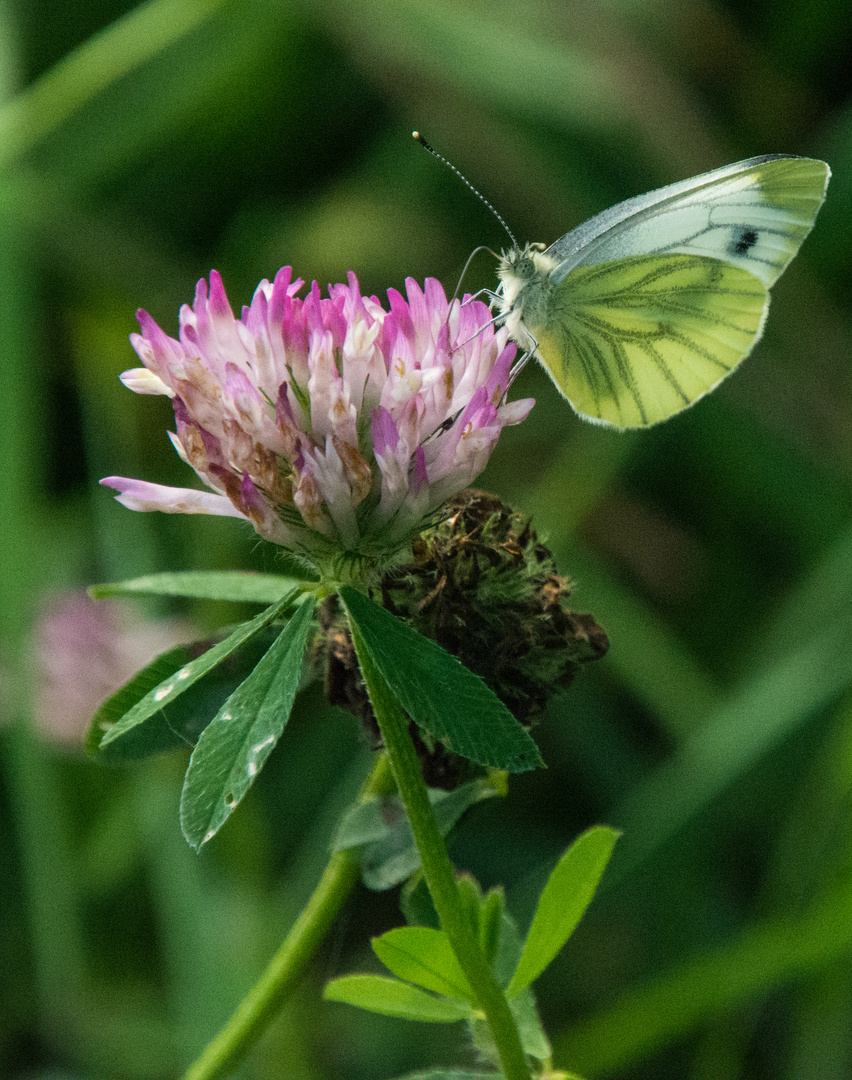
(631, 342)
(754, 214)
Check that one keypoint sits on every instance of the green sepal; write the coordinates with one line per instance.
(394, 998)
(234, 746)
(439, 693)
(421, 955)
(565, 897)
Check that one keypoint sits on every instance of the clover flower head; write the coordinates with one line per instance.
(334, 426)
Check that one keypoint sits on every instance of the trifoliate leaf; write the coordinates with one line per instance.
(234, 747)
(423, 956)
(566, 896)
(180, 722)
(394, 998)
(237, 585)
(449, 702)
(147, 712)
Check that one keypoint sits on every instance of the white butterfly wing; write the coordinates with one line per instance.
(753, 214)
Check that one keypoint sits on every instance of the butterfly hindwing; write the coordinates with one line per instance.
(632, 341)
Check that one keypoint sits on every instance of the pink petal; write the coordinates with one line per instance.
(140, 495)
(385, 434)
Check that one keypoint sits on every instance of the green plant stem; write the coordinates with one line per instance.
(437, 868)
(275, 984)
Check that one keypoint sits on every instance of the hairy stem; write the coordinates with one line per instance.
(437, 868)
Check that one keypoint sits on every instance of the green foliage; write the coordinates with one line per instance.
(180, 721)
(770, 953)
(379, 835)
(158, 735)
(235, 585)
(143, 145)
(140, 730)
(423, 956)
(394, 998)
(446, 700)
(233, 748)
(566, 896)
(533, 1038)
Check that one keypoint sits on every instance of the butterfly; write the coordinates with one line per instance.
(645, 308)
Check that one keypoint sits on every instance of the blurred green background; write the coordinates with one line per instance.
(141, 146)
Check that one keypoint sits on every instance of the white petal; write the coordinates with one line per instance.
(142, 381)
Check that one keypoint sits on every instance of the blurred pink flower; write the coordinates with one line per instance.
(332, 425)
(84, 650)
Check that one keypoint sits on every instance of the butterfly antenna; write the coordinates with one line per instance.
(470, 259)
(419, 138)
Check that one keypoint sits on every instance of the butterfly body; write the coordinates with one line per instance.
(643, 309)
(525, 275)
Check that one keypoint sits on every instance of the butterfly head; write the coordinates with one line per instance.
(520, 261)
(520, 266)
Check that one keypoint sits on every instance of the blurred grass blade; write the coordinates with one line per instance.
(113, 52)
(38, 806)
(516, 65)
(647, 655)
(775, 701)
(664, 1010)
(820, 596)
(577, 478)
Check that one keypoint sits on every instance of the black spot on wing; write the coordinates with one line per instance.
(742, 239)
(742, 242)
